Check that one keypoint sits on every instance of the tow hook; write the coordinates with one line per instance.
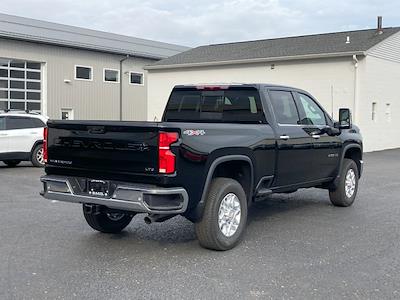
(91, 209)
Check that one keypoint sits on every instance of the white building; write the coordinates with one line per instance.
(356, 69)
(70, 72)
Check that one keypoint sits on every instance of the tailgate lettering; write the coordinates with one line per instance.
(101, 145)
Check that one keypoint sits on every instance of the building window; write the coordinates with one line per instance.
(373, 111)
(17, 74)
(33, 85)
(17, 105)
(3, 94)
(111, 75)
(3, 73)
(33, 106)
(136, 78)
(33, 66)
(83, 73)
(388, 113)
(20, 85)
(67, 114)
(17, 64)
(33, 75)
(17, 95)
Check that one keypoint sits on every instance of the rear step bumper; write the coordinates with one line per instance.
(124, 196)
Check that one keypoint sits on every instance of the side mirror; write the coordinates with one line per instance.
(332, 131)
(344, 119)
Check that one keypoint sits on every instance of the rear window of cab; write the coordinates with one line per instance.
(230, 105)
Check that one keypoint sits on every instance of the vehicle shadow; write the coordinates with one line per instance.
(279, 204)
(19, 166)
(173, 231)
(178, 230)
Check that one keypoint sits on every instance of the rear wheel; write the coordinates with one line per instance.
(106, 222)
(37, 156)
(225, 215)
(345, 192)
(11, 163)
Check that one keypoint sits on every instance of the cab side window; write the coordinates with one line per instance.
(314, 115)
(2, 123)
(285, 109)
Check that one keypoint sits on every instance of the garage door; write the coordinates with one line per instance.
(20, 85)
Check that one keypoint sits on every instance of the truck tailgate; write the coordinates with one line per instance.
(101, 146)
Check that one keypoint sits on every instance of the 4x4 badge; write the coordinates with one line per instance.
(194, 132)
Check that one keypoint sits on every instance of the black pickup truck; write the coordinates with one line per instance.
(218, 149)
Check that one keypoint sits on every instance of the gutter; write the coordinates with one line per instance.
(254, 60)
(120, 85)
(355, 104)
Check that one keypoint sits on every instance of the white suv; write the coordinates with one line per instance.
(21, 138)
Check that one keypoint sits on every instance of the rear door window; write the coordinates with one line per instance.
(285, 109)
(233, 105)
(14, 122)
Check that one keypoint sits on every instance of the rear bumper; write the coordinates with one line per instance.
(125, 196)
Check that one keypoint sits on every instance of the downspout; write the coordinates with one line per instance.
(355, 62)
(120, 85)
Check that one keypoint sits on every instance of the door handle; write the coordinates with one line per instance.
(3, 134)
(316, 136)
(284, 137)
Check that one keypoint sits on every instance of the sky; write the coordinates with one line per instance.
(194, 23)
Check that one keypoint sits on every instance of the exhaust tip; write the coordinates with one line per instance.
(147, 220)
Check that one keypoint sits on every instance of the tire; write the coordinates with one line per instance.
(107, 222)
(37, 156)
(208, 230)
(12, 163)
(348, 180)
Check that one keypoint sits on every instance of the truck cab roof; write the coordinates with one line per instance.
(225, 85)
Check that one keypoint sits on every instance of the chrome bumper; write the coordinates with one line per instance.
(124, 196)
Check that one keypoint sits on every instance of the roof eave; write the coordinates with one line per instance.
(87, 47)
(255, 60)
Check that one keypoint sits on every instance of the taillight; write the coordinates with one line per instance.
(166, 159)
(45, 136)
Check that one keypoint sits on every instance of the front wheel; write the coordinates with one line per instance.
(106, 222)
(225, 215)
(345, 192)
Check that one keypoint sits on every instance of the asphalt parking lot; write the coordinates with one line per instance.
(296, 246)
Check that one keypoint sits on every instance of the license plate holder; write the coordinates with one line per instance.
(98, 188)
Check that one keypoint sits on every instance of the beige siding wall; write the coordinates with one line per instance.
(389, 49)
(378, 82)
(89, 99)
(329, 80)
